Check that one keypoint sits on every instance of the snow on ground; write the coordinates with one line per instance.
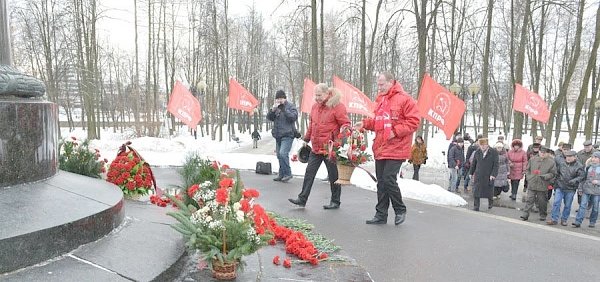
(173, 151)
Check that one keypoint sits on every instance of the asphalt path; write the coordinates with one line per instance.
(436, 243)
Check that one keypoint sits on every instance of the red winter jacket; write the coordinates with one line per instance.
(325, 122)
(405, 120)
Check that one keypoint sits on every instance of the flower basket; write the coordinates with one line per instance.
(133, 197)
(224, 270)
(344, 174)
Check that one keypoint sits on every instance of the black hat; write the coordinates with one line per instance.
(303, 153)
(280, 94)
(570, 153)
(460, 140)
(536, 145)
(566, 146)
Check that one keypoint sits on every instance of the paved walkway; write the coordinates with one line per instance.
(436, 243)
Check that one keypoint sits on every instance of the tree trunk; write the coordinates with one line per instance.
(520, 67)
(485, 88)
(570, 70)
(586, 80)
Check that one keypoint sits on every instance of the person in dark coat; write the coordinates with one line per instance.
(255, 138)
(570, 174)
(484, 170)
(535, 150)
(284, 115)
(456, 161)
(472, 149)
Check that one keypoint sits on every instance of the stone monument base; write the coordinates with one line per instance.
(48, 218)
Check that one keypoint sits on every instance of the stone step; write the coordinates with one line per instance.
(45, 219)
(143, 248)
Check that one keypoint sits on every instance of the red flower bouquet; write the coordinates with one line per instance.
(131, 173)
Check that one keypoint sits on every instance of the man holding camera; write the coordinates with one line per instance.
(284, 115)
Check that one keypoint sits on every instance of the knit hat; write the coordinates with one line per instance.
(280, 94)
(536, 145)
(460, 140)
(483, 141)
(596, 154)
(587, 143)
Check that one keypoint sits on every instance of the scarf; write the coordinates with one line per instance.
(382, 118)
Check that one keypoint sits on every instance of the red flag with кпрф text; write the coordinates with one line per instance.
(354, 100)
(530, 103)
(184, 106)
(308, 96)
(240, 98)
(439, 106)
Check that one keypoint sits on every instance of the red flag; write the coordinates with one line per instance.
(240, 98)
(530, 103)
(354, 100)
(308, 96)
(184, 106)
(439, 106)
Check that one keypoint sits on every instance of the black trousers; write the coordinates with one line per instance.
(314, 162)
(416, 171)
(476, 202)
(387, 188)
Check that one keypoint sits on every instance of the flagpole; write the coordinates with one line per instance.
(228, 128)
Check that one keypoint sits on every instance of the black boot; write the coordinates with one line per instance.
(400, 218)
(297, 202)
(377, 220)
(331, 206)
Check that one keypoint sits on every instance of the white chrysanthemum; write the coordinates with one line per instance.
(216, 225)
(237, 206)
(239, 215)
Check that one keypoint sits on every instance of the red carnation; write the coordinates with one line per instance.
(226, 182)
(323, 256)
(192, 190)
(287, 263)
(245, 205)
(130, 185)
(276, 260)
(222, 196)
(224, 167)
(363, 147)
(250, 193)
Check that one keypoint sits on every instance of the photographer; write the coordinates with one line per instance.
(284, 114)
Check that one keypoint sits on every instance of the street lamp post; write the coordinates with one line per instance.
(473, 89)
(455, 88)
(597, 106)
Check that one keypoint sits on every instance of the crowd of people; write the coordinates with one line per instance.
(563, 173)
(488, 170)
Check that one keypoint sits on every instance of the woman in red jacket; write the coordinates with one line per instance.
(327, 116)
(517, 158)
(396, 119)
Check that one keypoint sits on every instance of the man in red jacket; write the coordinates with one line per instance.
(327, 116)
(396, 119)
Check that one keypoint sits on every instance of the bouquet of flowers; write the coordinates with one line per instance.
(130, 172)
(349, 148)
(78, 158)
(224, 223)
